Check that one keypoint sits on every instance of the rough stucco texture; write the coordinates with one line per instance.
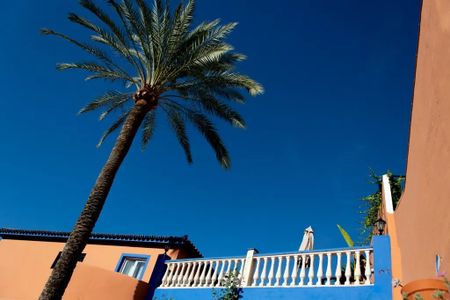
(422, 217)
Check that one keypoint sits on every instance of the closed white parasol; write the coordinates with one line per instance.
(308, 240)
(306, 244)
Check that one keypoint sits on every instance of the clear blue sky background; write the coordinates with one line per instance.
(338, 77)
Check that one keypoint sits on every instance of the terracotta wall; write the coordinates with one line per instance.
(423, 215)
(25, 267)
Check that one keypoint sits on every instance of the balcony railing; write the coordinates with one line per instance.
(345, 267)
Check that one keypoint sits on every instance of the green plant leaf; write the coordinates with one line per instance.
(346, 236)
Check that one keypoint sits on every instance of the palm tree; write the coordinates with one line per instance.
(166, 66)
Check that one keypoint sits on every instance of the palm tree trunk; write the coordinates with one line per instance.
(61, 274)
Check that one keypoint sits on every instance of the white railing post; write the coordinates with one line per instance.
(303, 271)
(338, 273)
(320, 270)
(294, 274)
(348, 272)
(249, 268)
(286, 271)
(263, 273)
(357, 271)
(256, 273)
(328, 271)
(368, 268)
(311, 269)
(278, 274)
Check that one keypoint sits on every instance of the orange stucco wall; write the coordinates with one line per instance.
(422, 217)
(25, 267)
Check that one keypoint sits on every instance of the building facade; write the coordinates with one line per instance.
(112, 266)
(419, 226)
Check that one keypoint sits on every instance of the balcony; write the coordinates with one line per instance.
(356, 273)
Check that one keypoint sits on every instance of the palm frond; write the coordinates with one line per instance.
(187, 71)
(208, 130)
(98, 53)
(113, 107)
(346, 236)
(102, 16)
(124, 17)
(111, 40)
(113, 128)
(109, 98)
(177, 124)
(210, 104)
(148, 127)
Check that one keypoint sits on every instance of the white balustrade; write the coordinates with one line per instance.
(338, 273)
(272, 266)
(348, 271)
(256, 271)
(278, 275)
(263, 274)
(311, 270)
(348, 267)
(294, 271)
(368, 267)
(328, 272)
(357, 270)
(286, 271)
(319, 270)
(303, 270)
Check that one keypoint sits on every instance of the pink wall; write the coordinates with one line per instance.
(25, 267)
(423, 215)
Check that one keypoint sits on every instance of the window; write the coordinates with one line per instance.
(133, 265)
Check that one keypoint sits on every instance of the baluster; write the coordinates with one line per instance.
(256, 272)
(235, 267)
(368, 272)
(171, 279)
(294, 274)
(219, 279)
(236, 272)
(303, 270)
(186, 274)
(174, 279)
(241, 270)
(208, 266)
(319, 270)
(338, 269)
(215, 273)
(357, 268)
(203, 268)
(311, 269)
(328, 272)
(272, 265)
(181, 274)
(286, 271)
(348, 271)
(227, 272)
(176, 276)
(193, 271)
(263, 273)
(166, 275)
(278, 275)
(199, 270)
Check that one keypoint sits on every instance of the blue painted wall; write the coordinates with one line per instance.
(381, 290)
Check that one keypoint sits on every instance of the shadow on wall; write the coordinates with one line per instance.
(140, 291)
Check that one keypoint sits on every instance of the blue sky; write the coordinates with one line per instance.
(338, 77)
